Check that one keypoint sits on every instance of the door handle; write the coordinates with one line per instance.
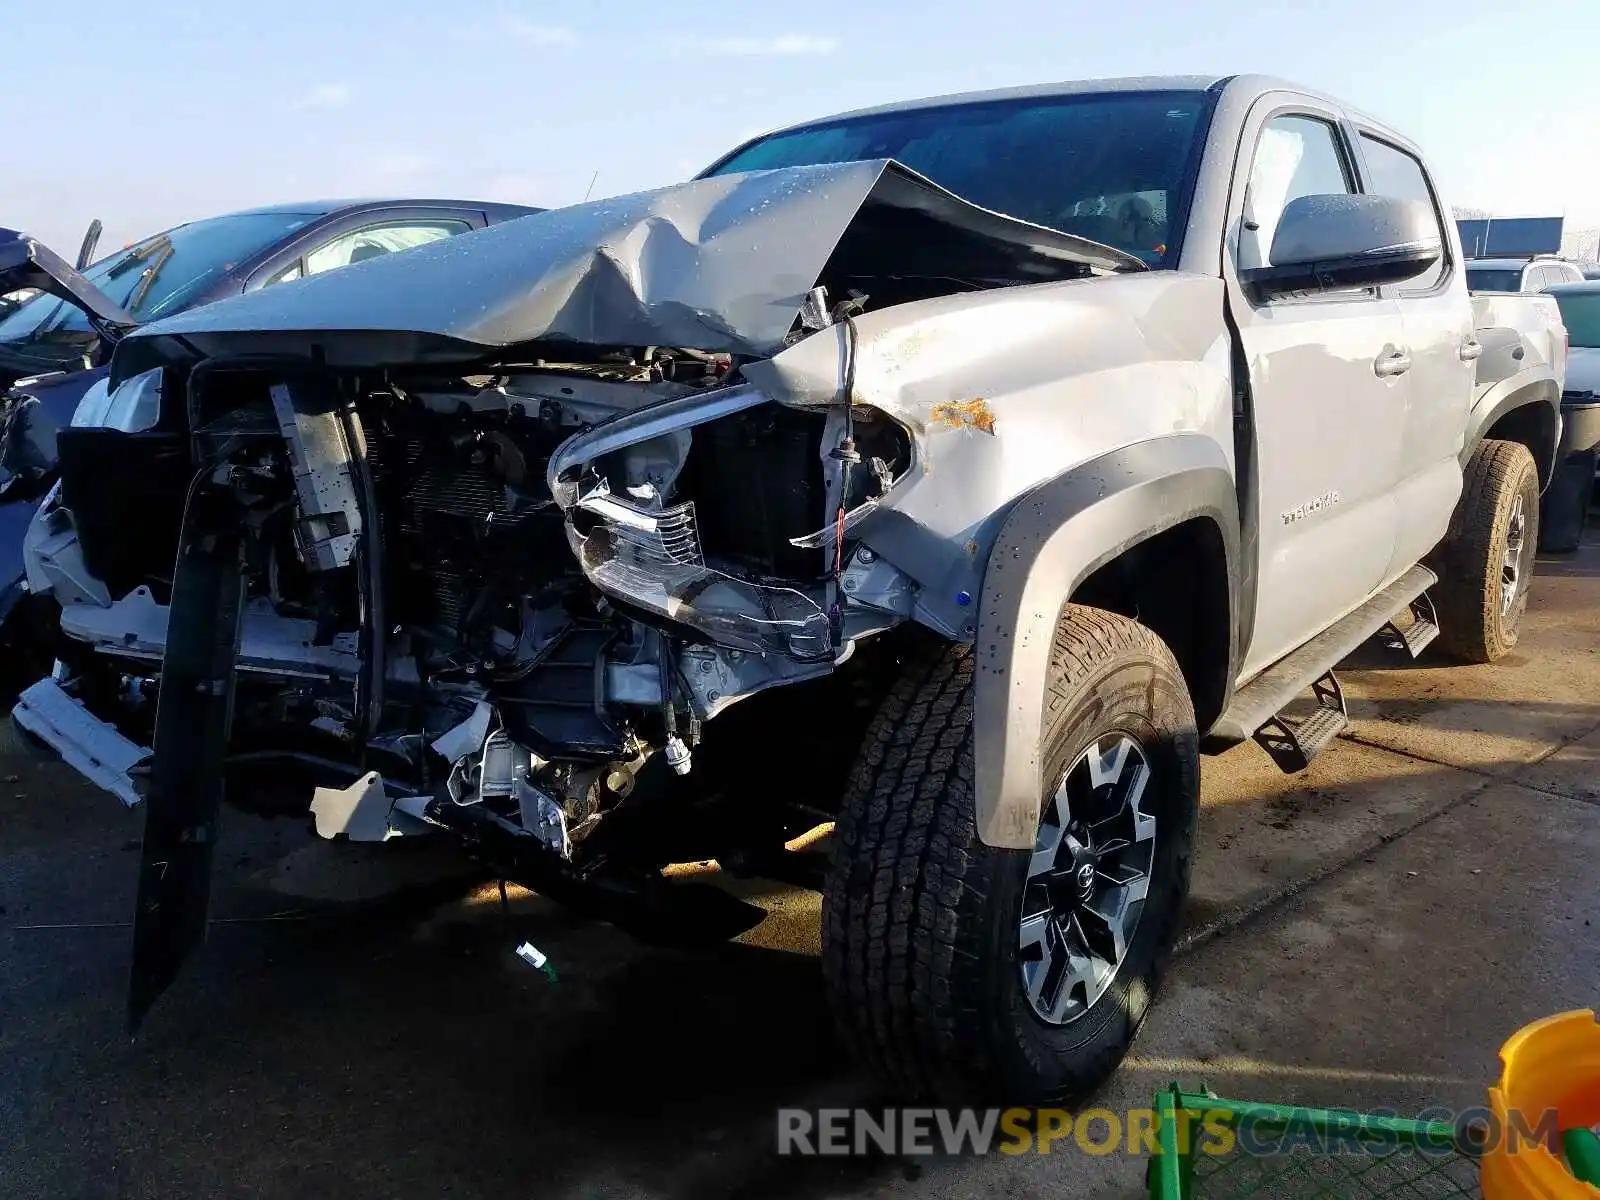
(1395, 360)
(1471, 350)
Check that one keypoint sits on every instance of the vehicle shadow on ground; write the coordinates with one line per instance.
(396, 1049)
(636, 1071)
(1378, 654)
(400, 1049)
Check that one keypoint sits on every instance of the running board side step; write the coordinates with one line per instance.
(1293, 747)
(1418, 635)
(1265, 696)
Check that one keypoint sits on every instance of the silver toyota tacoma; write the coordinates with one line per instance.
(953, 472)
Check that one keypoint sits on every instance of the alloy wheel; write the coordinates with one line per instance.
(1513, 564)
(1087, 879)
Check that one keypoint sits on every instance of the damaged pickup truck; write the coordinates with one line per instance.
(949, 471)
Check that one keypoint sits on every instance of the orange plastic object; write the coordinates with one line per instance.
(1553, 1063)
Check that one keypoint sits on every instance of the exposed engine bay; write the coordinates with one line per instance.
(416, 554)
(433, 583)
(484, 603)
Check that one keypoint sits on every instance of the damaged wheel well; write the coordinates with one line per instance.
(1175, 584)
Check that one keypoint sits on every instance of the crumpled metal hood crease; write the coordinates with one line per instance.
(720, 264)
(26, 263)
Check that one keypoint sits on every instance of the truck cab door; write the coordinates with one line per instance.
(1436, 314)
(1327, 377)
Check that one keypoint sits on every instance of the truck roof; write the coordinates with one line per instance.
(1041, 91)
(1257, 84)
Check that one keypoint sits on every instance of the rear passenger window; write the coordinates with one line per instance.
(1296, 156)
(1396, 173)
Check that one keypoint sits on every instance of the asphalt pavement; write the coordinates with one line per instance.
(1365, 934)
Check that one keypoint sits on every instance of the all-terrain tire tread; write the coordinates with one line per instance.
(897, 938)
(1468, 598)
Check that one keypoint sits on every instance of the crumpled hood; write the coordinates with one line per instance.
(25, 262)
(720, 264)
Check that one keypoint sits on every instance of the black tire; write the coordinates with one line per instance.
(1475, 624)
(921, 918)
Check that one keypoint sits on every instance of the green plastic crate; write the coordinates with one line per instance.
(1316, 1152)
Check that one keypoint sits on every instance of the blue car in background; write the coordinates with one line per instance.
(57, 344)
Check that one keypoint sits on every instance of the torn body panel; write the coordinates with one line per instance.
(193, 719)
(507, 599)
(1005, 391)
(721, 265)
(26, 263)
(963, 406)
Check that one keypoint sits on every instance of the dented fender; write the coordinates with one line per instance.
(1005, 390)
(1057, 425)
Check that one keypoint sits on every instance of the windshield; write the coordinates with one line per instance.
(1484, 279)
(1580, 313)
(149, 279)
(1115, 167)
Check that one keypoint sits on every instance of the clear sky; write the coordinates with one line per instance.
(153, 112)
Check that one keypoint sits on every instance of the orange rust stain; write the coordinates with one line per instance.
(964, 414)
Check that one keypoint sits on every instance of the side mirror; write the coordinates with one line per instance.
(1342, 241)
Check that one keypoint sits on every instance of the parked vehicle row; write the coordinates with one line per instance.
(954, 471)
(1577, 479)
(1535, 274)
(1565, 506)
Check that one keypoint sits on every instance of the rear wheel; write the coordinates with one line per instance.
(964, 971)
(1488, 554)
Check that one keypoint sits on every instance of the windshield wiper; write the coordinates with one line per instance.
(159, 260)
(158, 248)
(155, 252)
(138, 255)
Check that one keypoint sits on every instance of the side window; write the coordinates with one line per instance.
(1536, 280)
(372, 242)
(1295, 156)
(378, 240)
(1396, 173)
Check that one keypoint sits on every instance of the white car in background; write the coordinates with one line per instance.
(1536, 274)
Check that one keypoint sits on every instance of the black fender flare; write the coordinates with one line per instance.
(1535, 386)
(1053, 539)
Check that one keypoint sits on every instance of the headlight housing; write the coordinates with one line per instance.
(134, 407)
(704, 508)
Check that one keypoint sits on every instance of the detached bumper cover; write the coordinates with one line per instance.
(85, 743)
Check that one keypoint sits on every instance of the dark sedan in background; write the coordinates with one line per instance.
(54, 347)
